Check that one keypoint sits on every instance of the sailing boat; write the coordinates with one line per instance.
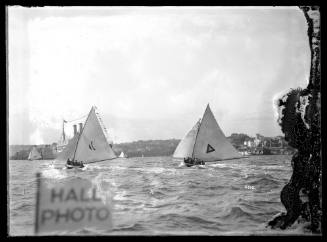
(122, 155)
(90, 145)
(205, 142)
(34, 154)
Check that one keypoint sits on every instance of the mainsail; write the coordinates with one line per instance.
(206, 141)
(68, 151)
(91, 144)
(34, 154)
(186, 145)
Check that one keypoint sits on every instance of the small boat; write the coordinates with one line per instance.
(79, 167)
(34, 154)
(205, 142)
(123, 155)
(90, 145)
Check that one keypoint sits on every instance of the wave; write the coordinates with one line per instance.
(92, 167)
(259, 214)
(265, 182)
(273, 167)
(132, 227)
(221, 166)
(270, 203)
(156, 194)
(199, 220)
(54, 173)
(192, 222)
(90, 231)
(216, 187)
(237, 213)
(120, 196)
(158, 197)
(182, 164)
(161, 205)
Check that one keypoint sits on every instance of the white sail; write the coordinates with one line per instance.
(92, 145)
(211, 143)
(122, 155)
(206, 141)
(186, 145)
(68, 151)
(34, 154)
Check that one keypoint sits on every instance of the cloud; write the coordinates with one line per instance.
(36, 138)
(142, 66)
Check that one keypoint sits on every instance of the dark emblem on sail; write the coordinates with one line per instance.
(91, 147)
(210, 149)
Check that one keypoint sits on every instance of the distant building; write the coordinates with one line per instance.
(257, 142)
(266, 142)
(249, 143)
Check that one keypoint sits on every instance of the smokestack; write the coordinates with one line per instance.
(80, 127)
(75, 129)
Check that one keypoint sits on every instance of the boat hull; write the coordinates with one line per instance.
(75, 167)
(191, 162)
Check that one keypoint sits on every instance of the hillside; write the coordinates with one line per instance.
(147, 148)
(139, 148)
(21, 152)
(132, 149)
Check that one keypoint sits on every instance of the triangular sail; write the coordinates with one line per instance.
(34, 154)
(30, 156)
(68, 151)
(186, 145)
(211, 143)
(92, 145)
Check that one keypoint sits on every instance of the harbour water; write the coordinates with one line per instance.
(159, 196)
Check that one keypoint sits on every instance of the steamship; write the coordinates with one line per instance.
(64, 140)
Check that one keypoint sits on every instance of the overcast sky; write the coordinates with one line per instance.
(151, 71)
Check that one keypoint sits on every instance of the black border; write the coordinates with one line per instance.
(5, 172)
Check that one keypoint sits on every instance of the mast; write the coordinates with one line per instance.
(63, 131)
(197, 132)
(79, 136)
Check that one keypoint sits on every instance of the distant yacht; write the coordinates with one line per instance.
(122, 155)
(90, 145)
(34, 154)
(206, 142)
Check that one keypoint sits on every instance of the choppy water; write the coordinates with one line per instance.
(157, 196)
